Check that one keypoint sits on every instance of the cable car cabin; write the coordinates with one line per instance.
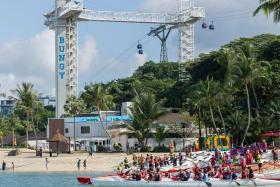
(204, 25)
(140, 52)
(221, 142)
(139, 46)
(212, 26)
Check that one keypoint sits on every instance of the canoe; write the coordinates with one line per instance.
(84, 180)
(118, 181)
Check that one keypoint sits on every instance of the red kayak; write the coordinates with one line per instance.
(84, 180)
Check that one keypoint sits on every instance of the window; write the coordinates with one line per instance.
(66, 130)
(85, 130)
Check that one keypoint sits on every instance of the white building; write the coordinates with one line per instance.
(6, 106)
(48, 100)
(126, 108)
(88, 131)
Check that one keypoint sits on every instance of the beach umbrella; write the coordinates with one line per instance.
(273, 134)
(269, 134)
(58, 137)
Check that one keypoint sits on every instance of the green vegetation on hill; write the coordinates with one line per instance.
(241, 83)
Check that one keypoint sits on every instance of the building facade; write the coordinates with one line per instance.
(89, 132)
(6, 107)
(47, 100)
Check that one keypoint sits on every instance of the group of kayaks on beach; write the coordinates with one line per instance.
(237, 164)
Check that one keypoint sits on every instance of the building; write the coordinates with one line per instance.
(126, 108)
(48, 100)
(89, 131)
(6, 106)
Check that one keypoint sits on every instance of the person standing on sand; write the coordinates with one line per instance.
(79, 164)
(3, 165)
(85, 164)
(46, 164)
(13, 167)
(274, 156)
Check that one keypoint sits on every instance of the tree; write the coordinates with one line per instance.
(274, 111)
(13, 124)
(160, 134)
(27, 100)
(205, 93)
(144, 111)
(97, 98)
(3, 130)
(268, 7)
(74, 106)
(246, 70)
(236, 123)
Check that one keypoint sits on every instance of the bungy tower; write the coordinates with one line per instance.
(66, 15)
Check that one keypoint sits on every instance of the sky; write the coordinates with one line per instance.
(107, 51)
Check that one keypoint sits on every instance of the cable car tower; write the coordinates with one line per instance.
(162, 32)
(66, 15)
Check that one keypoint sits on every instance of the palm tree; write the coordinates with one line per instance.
(160, 134)
(14, 123)
(27, 100)
(97, 98)
(144, 111)
(205, 93)
(236, 122)
(74, 106)
(246, 70)
(274, 110)
(3, 130)
(268, 7)
(138, 130)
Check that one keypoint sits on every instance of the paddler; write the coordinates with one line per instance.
(259, 162)
(134, 160)
(157, 175)
(138, 176)
(125, 161)
(171, 148)
(250, 173)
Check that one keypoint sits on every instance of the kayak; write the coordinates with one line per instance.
(111, 181)
(84, 180)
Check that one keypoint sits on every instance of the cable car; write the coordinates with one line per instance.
(212, 26)
(204, 25)
(139, 46)
(140, 52)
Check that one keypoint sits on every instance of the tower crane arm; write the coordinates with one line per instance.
(142, 17)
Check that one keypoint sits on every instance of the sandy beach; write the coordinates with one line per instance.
(28, 162)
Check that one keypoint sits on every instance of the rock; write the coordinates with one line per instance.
(14, 152)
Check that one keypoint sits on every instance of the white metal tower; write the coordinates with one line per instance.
(67, 13)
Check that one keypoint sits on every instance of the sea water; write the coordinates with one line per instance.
(41, 179)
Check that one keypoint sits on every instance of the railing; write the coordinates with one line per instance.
(134, 17)
(70, 7)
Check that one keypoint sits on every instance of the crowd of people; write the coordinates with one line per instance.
(237, 163)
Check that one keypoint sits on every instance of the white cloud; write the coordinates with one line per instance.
(30, 60)
(87, 54)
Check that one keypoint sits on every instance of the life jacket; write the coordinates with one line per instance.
(157, 177)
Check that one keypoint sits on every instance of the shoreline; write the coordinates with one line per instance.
(27, 162)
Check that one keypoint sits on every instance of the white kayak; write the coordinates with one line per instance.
(111, 181)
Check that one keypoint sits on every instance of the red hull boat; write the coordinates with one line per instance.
(84, 180)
